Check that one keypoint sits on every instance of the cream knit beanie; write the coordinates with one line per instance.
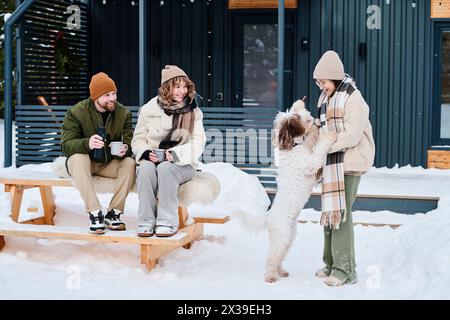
(170, 72)
(329, 67)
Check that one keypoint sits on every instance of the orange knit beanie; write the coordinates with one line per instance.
(100, 84)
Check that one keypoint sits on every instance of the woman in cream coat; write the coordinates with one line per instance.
(342, 109)
(171, 121)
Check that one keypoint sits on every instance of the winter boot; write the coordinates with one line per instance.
(112, 220)
(323, 273)
(145, 231)
(97, 222)
(333, 281)
(166, 231)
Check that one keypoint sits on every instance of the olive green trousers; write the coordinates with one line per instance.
(339, 245)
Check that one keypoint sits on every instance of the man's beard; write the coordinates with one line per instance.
(106, 107)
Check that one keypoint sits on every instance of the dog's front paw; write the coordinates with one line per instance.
(271, 278)
(297, 106)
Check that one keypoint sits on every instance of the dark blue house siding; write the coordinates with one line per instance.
(395, 75)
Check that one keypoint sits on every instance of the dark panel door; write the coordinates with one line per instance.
(255, 60)
(441, 103)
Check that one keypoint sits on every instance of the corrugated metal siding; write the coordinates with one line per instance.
(178, 34)
(114, 45)
(394, 77)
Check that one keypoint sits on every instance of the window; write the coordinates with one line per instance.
(441, 91)
(445, 84)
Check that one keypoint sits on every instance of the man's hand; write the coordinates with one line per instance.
(123, 150)
(96, 142)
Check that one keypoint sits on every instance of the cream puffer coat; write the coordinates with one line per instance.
(154, 124)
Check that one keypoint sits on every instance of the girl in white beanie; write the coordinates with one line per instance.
(172, 121)
(342, 109)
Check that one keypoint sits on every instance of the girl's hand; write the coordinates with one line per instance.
(169, 156)
(152, 157)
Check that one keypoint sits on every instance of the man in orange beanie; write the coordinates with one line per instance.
(88, 129)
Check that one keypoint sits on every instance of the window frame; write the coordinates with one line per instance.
(439, 27)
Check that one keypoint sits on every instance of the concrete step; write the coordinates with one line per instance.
(368, 202)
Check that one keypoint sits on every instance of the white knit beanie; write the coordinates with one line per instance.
(170, 72)
(329, 67)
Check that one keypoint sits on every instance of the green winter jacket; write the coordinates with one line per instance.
(81, 122)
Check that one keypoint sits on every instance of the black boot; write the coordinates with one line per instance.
(97, 222)
(112, 220)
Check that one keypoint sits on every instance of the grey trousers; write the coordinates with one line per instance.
(162, 180)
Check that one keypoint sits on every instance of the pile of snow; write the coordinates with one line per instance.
(239, 191)
(418, 263)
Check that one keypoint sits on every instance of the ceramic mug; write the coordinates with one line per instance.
(160, 154)
(115, 147)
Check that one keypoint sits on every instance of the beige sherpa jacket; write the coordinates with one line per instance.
(356, 139)
(154, 124)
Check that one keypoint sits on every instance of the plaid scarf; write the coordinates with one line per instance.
(182, 123)
(333, 187)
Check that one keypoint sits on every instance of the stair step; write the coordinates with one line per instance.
(370, 202)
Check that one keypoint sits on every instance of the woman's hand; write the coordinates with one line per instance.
(169, 156)
(152, 157)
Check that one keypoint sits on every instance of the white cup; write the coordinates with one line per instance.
(115, 147)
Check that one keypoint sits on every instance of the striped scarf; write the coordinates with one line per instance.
(333, 187)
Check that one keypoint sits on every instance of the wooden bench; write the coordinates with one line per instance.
(16, 182)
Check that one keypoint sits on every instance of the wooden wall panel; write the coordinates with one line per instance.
(440, 8)
(260, 4)
(439, 159)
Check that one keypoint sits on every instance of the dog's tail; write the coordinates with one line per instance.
(250, 222)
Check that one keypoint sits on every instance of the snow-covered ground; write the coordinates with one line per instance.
(410, 262)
